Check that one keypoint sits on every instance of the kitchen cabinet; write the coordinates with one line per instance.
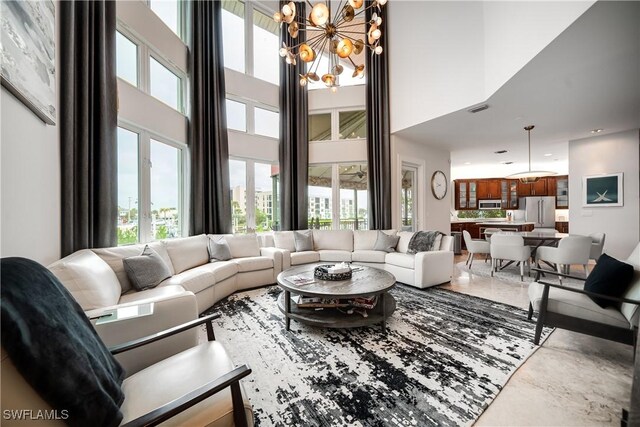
(538, 188)
(562, 226)
(562, 192)
(489, 189)
(466, 193)
(509, 194)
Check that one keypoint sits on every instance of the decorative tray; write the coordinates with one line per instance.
(321, 272)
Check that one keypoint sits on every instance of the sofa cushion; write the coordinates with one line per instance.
(576, 305)
(400, 259)
(195, 279)
(308, 257)
(114, 256)
(386, 243)
(632, 311)
(364, 240)
(222, 269)
(403, 243)
(609, 277)
(90, 280)
(160, 292)
(187, 252)
(266, 240)
(218, 249)
(334, 255)
(368, 256)
(284, 240)
(303, 240)
(146, 270)
(254, 263)
(333, 240)
(243, 245)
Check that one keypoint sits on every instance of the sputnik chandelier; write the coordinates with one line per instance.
(335, 34)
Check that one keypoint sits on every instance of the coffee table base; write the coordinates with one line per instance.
(332, 318)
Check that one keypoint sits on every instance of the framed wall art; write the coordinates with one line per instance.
(27, 54)
(602, 190)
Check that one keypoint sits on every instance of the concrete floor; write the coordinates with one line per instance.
(572, 380)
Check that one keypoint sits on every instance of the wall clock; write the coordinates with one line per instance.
(439, 185)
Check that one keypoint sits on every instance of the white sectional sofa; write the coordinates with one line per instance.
(97, 279)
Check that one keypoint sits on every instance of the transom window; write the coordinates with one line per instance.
(336, 125)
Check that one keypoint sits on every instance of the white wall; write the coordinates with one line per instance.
(29, 180)
(448, 56)
(433, 214)
(618, 152)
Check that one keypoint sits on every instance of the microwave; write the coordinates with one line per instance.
(489, 204)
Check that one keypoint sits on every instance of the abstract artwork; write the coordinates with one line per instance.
(602, 190)
(27, 54)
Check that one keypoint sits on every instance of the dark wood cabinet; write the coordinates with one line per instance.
(562, 226)
(466, 193)
(489, 189)
(561, 184)
(509, 194)
(538, 188)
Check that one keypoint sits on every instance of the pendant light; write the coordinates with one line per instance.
(530, 176)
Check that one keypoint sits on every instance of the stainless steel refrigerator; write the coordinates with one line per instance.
(540, 210)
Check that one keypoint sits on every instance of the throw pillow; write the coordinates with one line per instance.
(385, 242)
(219, 250)
(146, 270)
(303, 240)
(609, 277)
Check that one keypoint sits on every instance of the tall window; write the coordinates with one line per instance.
(266, 122)
(320, 197)
(266, 60)
(126, 59)
(127, 187)
(254, 196)
(266, 196)
(353, 196)
(165, 85)
(169, 11)
(150, 199)
(236, 115)
(238, 180)
(233, 34)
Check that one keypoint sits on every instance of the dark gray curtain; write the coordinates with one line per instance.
(294, 144)
(208, 141)
(378, 139)
(88, 124)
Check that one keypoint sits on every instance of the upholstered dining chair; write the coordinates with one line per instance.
(509, 247)
(489, 231)
(597, 244)
(572, 249)
(474, 246)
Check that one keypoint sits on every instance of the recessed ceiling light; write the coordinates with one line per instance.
(467, 163)
(597, 130)
(548, 154)
(500, 151)
(506, 163)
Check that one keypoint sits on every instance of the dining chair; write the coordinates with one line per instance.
(474, 246)
(489, 231)
(571, 250)
(509, 247)
(597, 244)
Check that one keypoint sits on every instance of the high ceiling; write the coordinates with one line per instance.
(587, 78)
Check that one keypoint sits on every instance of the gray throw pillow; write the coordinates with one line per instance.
(303, 240)
(219, 250)
(386, 243)
(146, 270)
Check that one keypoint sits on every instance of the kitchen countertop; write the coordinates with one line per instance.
(484, 221)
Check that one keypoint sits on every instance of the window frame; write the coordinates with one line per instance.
(144, 179)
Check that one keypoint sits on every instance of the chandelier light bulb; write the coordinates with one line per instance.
(378, 50)
(334, 89)
(306, 53)
(356, 4)
(379, 21)
(345, 47)
(382, 2)
(286, 10)
(283, 52)
(319, 14)
(303, 80)
(376, 34)
(277, 17)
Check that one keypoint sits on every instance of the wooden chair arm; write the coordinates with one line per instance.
(121, 348)
(163, 413)
(555, 273)
(582, 291)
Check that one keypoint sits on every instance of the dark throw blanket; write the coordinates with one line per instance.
(55, 348)
(423, 241)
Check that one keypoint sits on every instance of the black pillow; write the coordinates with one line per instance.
(609, 277)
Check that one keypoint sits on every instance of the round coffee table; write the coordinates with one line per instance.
(366, 281)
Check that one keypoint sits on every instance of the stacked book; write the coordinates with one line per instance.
(303, 301)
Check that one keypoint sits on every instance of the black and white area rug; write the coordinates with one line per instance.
(444, 358)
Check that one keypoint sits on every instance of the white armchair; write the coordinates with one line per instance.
(509, 247)
(597, 244)
(570, 250)
(474, 247)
